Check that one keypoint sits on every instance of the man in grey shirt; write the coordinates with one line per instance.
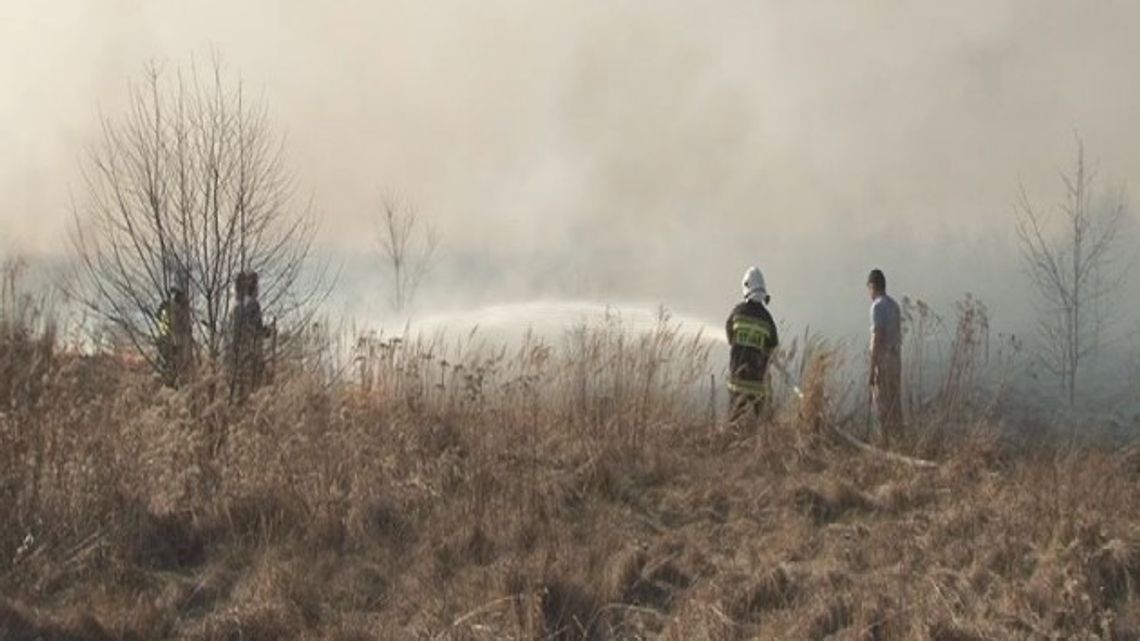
(886, 356)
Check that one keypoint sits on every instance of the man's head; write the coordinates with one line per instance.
(876, 283)
(246, 284)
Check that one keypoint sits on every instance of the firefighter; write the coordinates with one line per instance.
(885, 376)
(752, 339)
(247, 334)
(175, 340)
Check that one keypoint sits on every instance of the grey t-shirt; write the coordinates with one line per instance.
(886, 317)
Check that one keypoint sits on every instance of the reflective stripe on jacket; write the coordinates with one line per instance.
(752, 336)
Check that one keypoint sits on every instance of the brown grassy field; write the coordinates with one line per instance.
(578, 492)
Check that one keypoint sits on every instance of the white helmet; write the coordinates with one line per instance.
(753, 285)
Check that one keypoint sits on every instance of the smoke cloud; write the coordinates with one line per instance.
(624, 151)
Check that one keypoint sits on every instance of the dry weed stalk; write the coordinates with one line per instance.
(453, 490)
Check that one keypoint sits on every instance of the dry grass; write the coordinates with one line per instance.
(577, 492)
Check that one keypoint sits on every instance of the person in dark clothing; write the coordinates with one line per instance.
(247, 333)
(752, 338)
(175, 338)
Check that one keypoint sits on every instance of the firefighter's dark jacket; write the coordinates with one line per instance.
(752, 337)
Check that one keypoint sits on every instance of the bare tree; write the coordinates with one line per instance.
(1076, 269)
(187, 189)
(407, 246)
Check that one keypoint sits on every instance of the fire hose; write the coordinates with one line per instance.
(850, 439)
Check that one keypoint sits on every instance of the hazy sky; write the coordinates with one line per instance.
(624, 150)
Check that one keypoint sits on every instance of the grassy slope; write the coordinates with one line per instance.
(532, 497)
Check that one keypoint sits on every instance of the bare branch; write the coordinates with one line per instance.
(1075, 275)
(407, 247)
(188, 186)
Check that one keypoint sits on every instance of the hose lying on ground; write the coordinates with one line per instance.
(849, 439)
